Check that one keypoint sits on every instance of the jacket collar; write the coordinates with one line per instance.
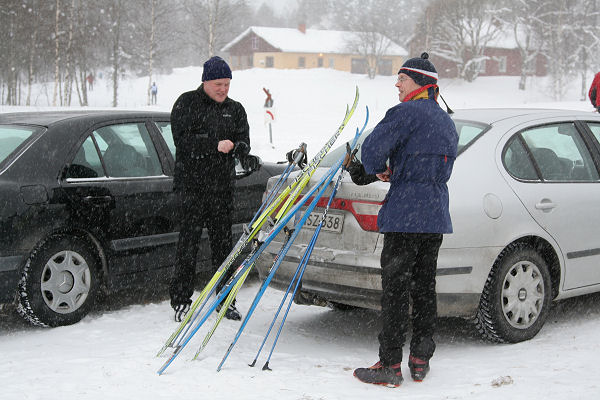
(424, 92)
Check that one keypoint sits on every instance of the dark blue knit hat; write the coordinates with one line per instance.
(215, 68)
(421, 70)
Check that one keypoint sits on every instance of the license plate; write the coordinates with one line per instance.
(332, 223)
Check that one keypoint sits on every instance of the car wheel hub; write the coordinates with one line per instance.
(522, 295)
(66, 282)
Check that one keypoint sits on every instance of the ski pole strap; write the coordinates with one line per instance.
(350, 156)
(298, 156)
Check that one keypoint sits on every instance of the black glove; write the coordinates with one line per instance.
(358, 174)
(241, 149)
(250, 163)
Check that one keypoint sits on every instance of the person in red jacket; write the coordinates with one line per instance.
(594, 93)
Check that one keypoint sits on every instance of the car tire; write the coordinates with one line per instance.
(516, 298)
(59, 282)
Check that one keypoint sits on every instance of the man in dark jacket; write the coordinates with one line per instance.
(420, 142)
(208, 128)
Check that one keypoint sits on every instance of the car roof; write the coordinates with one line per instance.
(493, 115)
(48, 118)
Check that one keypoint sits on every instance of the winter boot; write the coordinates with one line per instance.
(379, 375)
(181, 310)
(231, 313)
(418, 368)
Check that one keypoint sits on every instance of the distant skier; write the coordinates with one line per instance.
(594, 93)
(153, 91)
(208, 129)
(90, 80)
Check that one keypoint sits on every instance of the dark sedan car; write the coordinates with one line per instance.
(86, 204)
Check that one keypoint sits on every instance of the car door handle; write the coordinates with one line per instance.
(97, 199)
(545, 205)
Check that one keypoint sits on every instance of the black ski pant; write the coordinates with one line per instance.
(408, 267)
(209, 209)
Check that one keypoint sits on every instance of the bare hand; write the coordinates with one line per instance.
(225, 146)
(384, 176)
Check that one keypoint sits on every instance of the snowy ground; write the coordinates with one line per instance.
(110, 354)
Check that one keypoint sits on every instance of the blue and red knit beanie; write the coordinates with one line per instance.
(421, 70)
(215, 68)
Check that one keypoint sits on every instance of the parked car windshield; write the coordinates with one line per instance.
(468, 132)
(13, 136)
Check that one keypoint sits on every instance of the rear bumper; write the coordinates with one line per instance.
(10, 274)
(355, 278)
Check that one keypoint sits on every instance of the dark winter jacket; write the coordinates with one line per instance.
(594, 93)
(420, 141)
(198, 124)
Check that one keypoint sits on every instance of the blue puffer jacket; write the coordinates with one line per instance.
(420, 141)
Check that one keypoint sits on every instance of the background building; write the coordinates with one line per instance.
(289, 48)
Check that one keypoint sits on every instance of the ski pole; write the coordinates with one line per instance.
(278, 311)
(297, 230)
(250, 262)
(300, 273)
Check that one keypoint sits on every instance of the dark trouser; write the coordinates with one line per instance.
(408, 266)
(197, 210)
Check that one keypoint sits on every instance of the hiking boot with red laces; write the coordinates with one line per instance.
(379, 375)
(418, 368)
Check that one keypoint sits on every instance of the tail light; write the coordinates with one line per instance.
(365, 212)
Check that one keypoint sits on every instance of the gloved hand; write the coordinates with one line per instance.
(241, 149)
(358, 174)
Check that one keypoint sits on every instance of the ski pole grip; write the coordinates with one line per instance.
(348, 157)
(299, 154)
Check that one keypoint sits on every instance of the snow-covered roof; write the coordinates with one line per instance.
(292, 40)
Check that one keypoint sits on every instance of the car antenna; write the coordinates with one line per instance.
(448, 109)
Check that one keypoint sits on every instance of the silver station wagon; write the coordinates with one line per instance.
(525, 206)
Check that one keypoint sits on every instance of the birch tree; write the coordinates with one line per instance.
(215, 22)
(376, 24)
(525, 18)
(56, 53)
(460, 32)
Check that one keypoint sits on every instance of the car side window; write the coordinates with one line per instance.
(517, 161)
(560, 153)
(128, 151)
(86, 163)
(167, 134)
(468, 132)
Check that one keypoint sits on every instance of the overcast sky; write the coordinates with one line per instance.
(278, 5)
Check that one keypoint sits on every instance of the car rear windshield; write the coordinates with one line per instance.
(12, 137)
(468, 132)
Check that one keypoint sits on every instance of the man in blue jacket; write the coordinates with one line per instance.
(419, 140)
